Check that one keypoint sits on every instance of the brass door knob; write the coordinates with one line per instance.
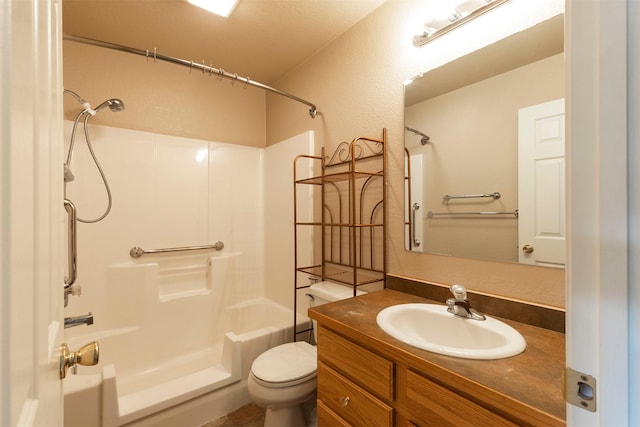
(527, 249)
(88, 355)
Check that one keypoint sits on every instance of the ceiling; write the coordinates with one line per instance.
(262, 39)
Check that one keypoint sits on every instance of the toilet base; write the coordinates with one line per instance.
(289, 416)
(284, 405)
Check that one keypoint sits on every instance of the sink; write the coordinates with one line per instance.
(430, 327)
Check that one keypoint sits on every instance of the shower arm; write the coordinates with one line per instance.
(425, 138)
(204, 68)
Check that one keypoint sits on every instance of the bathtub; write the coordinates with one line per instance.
(187, 388)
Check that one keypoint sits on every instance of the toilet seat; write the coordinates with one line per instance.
(286, 365)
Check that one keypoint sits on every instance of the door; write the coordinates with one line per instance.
(31, 213)
(598, 284)
(541, 184)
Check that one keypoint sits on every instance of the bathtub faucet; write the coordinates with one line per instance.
(85, 319)
(459, 305)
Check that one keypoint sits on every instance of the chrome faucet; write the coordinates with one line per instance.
(85, 319)
(459, 305)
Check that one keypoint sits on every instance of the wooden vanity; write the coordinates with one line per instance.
(368, 378)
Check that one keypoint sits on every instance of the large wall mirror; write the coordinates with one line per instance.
(484, 152)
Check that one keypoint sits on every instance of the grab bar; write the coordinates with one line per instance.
(72, 249)
(414, 209)
(137, 252)
(495, 195)
(431, 214)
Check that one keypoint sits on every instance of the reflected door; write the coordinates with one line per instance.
(541, 184)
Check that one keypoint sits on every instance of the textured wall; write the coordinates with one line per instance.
(162, 98)
(357, 84)
(356, 81)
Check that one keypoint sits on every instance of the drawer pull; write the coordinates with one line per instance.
(344, 400)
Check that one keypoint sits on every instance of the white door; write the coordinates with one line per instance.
(541, 184)
(598, 288)
(31, 213)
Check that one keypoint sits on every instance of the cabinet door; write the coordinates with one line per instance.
(350, 402)
(434, 405)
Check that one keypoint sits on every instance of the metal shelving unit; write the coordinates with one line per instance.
(352, 210)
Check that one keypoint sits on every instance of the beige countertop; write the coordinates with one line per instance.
(529, 384)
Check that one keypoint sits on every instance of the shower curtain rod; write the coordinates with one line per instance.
(416, 131)
(219, 72)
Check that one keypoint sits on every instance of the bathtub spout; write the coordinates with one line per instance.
(86, 319)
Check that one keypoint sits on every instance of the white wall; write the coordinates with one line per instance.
(634, 209)
(279, 241)
(167, 192)
(175, 192)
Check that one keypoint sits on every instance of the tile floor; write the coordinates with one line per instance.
(250, 415)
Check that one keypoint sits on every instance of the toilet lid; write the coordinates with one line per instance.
(286, 363)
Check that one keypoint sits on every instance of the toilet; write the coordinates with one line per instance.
(284, 377)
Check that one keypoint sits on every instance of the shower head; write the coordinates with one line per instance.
(114, 105)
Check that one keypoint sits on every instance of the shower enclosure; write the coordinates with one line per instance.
(177, 330)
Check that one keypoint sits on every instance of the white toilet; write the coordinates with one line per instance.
(284, 377)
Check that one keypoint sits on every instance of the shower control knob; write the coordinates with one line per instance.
(88, 355)
(527, 249)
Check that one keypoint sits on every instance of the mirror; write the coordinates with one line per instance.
(469, 192)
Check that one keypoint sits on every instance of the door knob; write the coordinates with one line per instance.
(87, 356)
(527, 249)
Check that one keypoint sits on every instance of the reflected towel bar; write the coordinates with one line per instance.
(414, 212)
(431, 214)
(496, 195)
(137, 252)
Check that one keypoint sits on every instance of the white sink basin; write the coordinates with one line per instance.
(430, 327)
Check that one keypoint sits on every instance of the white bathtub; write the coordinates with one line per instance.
(173, 387)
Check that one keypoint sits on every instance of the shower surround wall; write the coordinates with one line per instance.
(211, 309)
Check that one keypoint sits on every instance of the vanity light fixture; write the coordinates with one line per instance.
(461, 11)
(219, 7)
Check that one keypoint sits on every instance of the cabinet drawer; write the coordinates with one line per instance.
(372, 372)
(350, 402)
(328, 418)
(434, 405)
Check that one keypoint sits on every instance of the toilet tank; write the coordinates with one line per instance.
(324, 292)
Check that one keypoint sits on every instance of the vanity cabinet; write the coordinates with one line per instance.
(427, 400)
(357, 387)
(368, 379)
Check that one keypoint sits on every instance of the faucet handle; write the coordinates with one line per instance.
(459, 292)
(451, 304)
